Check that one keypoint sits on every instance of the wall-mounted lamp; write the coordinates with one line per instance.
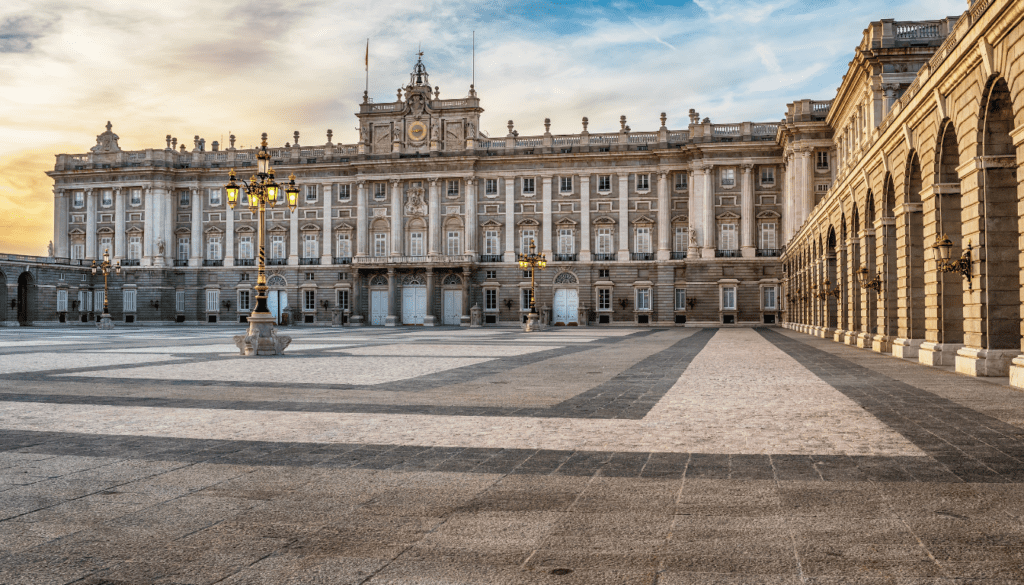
(226, 304)
(691, 303)
(508, 304)
(623, 303)
(14, 303)
(962, 265)
(875, 283)
(325, 304)
(154, 303)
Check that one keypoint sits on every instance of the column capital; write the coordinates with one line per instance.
(394, 182)
(471, 181)
(747, 168)
(663, 174)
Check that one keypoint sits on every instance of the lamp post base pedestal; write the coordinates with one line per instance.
(105, 322)
(262, 337)
(533, 323)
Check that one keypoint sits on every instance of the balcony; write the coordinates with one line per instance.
(439, 259)
(566, 257)
(181, 262)
(491, 257)
(679, 255)
(727, 253)
(245, 262)
(309, 261)
(277, 262)
(768, 252)
(212, 262)
(128, 262)
(605, 257)
(642, 256)
(342, 260)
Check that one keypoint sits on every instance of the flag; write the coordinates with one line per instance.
(367, 55)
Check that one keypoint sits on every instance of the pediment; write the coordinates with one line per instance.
(76, 232)
(183, 230)
(681, 219)
(277, 229)
(727, 215)
(105, 230)
(214, 230)
(491, 223)
(245, 229)
(604, 220)
(133, 230)
(528, 221)
(768, 215)
(566, 221)
(643, 219)
(309, 227)
(343, 227)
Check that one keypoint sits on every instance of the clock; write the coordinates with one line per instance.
(417, 131)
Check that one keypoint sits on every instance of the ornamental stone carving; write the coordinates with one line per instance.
(415, 206)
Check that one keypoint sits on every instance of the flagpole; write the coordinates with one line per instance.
(367, 92)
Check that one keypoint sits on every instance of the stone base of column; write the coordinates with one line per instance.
(864, 340)
(838, 335)
(938, 354)
(748, 252)
(826, 332)
(429, 321)
(1017, 372)
(707, 253)
(850, 338)
(195, 262)
(664, 255)
(262, 337)
(881, 344)
(391, 321)
(356, 321)
(510, 256)
(621, 256)
(532, 323)
(985, 362)
(906, 348)
(584, 255)
(105, 322)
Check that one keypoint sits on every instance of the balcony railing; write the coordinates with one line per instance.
(309, 261)
(727, 253)
(440, 259)
(342, 259)
(131, 262)
(605, 257)
(277, 262)
(213, 263)
(245, 262)
(566, 257)
(492, 257)
(181, 262)
(679, 255)
(768, 252)
(642, 256)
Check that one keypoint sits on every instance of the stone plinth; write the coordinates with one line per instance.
(938, 354)
(532, 323)
(984, 362)
(105, 322)
(262, 337)
(1017, 372)
(881, 344)
(906, 348)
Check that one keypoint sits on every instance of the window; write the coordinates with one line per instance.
(277, 247)
(136, 197)
(344, 192)
(728, 298)
(380, 245)
(245, 277)
(822, 188)
(679, 239)
(454, 243)
(453, 188)
(643, 299)
(343, 299)
(492, 274)
(525, 298)
(213, 250)
(529, 237)
(822, 160)
(243, 300)
(604, 241)
(84, 301)
(183, 249)
(214, 196)
(529, 186)
(681, 181)
(310, 276)
(344, 246)
(62, 301)
(105, 246)
(604, 299)
(99, 300)
(134, 248)
(416, 245)
(245, 251)
(643, 182)
(107, 198)
(491, 242)
(77, 252)
(727, 240)
(79, 199)
(767, 176)
(604, 183)
(680, 299)
(491, 187)
(309, 300)
(527, 273)
(768, 236)
(566, 242)
(490, 299)
(604, 273)
(380, 191)
(728, 177)
(310, 246)
(213, 301)
(179, 301)
(565, 185)
(643, 240)
(768, 298)
(129, 298)
(311, 192)
(184, 198)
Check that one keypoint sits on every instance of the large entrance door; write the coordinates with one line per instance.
(26, 290)
(452, 307)
(378, 307)
(414, 305)
(567, 302)
(277, 303)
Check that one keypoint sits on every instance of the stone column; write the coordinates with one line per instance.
(229, 236)
(867, 260)
(786, 229)
(168, 226)
(709, 213)
(293, 237)
(327, 251)
(747, 213)
(624, 217)
(664, 218)
(428, 319)
(119, 224)
(361, 225)
(695, 212)
(466, 277)
(434, 225)
(196, 258)
(470, 217)
(149, 226)
(397, 242)
(510, 220)
(392, 318)
(357, 307)
(545, 229)
(61, 245)
(807, 183)
(90, 224)
(585, 218)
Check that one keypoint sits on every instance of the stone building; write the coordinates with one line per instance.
(423, 218)
(928, 127)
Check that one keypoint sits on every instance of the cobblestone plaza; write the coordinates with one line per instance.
(456, 455)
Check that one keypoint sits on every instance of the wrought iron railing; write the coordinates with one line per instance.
(605, 257)
(727, 253)
(245, 262)
(768, 252)
(566, 257)
(642, 256)
(342, 260)
(309, 261)
(679, 255)
(491, 257)
(213, 263)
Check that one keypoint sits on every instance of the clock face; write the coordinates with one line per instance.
(417, 131)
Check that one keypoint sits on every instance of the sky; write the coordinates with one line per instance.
(215, 68)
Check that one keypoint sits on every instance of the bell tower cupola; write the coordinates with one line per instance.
(419, 77)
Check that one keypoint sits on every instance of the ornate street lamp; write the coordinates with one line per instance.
(875, 283)
(261, 192)
(530, 262)
(962, 265)
(827, 292)
(105, 269)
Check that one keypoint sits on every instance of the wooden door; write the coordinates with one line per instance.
(452, 307)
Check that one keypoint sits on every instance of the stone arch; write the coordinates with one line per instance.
(949, 295)
(885, 246)
(379, 280)
(566, 278)
(4, 303)
(452, 280)
(277, 281)
(913, 251)
(831, 302)
(26, 298)
(414, 280)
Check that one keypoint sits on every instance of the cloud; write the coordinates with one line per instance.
(18, 32)
(768, 57)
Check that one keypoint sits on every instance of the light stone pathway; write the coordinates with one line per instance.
(762, 403)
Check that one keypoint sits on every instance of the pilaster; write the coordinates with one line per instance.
(585, 236)
(196, 258)
(327, 251)
(623, 217)
(545, 229)
(90, 224)
(397, 242)
(664, 218)
(119, 224)
(747, 212)
(361, 225)
(510, 220)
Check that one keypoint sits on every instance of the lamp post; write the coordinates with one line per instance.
(531, 262)
(874, 284)
(105, 269)
(962, 265)
(261, 192)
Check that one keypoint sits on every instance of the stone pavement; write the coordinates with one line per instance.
(491, 456)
